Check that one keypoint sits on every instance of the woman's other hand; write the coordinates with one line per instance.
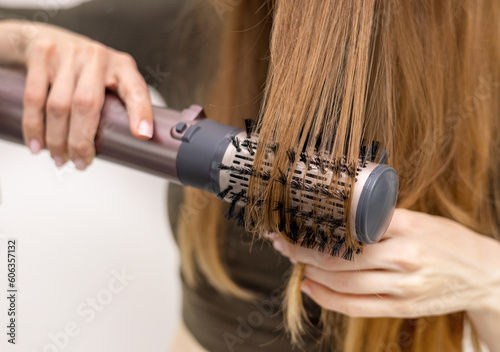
(424, 265)
(78, 70)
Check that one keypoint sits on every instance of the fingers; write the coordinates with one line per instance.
(357, 282)
(85, 112)
(35, 94)
(58, 112)
(358, 305)
(132, 89)
(373, 257)
(78, 72)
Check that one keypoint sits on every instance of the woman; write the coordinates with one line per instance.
(421, 77)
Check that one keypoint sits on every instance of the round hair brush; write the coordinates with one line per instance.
(190, 149)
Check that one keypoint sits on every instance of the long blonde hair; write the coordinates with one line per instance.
(420, 76)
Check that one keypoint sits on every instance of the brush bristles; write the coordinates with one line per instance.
(311, 228)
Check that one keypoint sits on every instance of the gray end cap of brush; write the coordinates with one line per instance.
(376, 204)
(201, 152)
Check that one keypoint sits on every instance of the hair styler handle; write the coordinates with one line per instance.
(114, 141)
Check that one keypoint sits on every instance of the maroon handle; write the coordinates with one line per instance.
(114, 141)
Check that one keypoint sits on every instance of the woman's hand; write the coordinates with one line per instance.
(424, 265)
(77, 70)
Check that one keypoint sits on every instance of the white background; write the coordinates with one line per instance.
(76, 232)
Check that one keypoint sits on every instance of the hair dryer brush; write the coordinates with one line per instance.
(190, 149)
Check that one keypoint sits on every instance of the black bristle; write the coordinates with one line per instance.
(291, 155)
(337, 246)
(363, 155)
(333, 222)
(239, 170)
(249, 125)
(326, 192)
(322, 240)
(265, 175)
(282, 224)
(282, 178)
(322, 166)
(248, 171)
(250, 148)
(259, 203)
(368, 153)
(309, 239)
(344, 194)
(273, 147)
(293, 211)
(314, 161)
(236, 143)
(278, 207)
(316, 188)
(375, 147)
(239, 195)
(230, 210)
(234, 200)
(317, 145)
(297, 185)
(383, 156)
(350, 170)
(333, 167)
(304, 157)
(294, 231)
(348, 254)
(224, 193)
(240, 217)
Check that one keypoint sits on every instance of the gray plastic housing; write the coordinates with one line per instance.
(376, 204)
(201, 152)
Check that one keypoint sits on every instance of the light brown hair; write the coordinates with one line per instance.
(420, 76)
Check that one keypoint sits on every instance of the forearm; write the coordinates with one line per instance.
(486, 317)
(13, 40)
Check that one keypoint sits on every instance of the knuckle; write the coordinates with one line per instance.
(410, 258)
(84, 103)
(96, 49)
(42, 47)
(69, 48)
(57, 107)
(412, 287)
(406, 264)
(82, 147)
(127, 59)
(33, 97)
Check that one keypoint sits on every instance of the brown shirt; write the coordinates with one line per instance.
(222, 323)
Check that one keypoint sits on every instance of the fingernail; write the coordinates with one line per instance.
(306, 288)
(279, 246)
(80, 164)
(59, 160)
(35, 146)
(145, 129)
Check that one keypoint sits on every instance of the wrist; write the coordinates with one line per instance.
(15, 36)
(488, 300)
